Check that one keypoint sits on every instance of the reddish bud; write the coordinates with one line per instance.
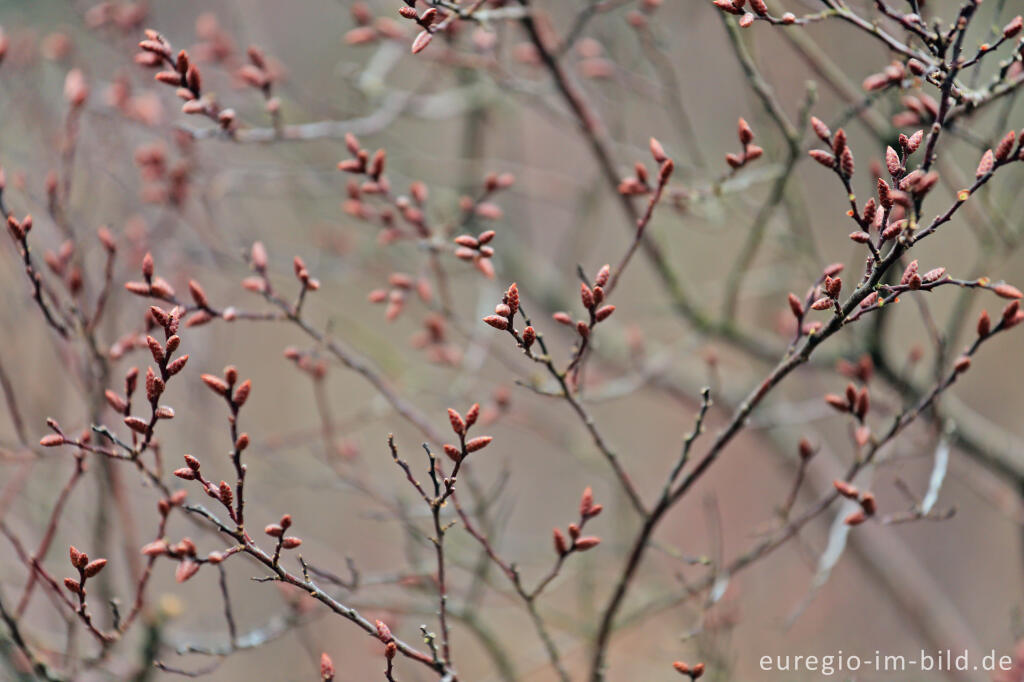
(561, 546)
(1014, 27)
(529, 336)
(856, 518)
(1005, 146)
(838, 402)
(823, 157)
(186, 569)
(1007, 291)
(986, 164)
(326, 668)
(453, 452)
(586, 501)
(472, 414)
(984, 324)
(216, 384)
(821, 130)
(242, 393)
(478, 443)
(496, 322)
(744, 132)
(845, 489)
(421, 41)
(892, 162)
(657, 151)
(457, 422)
(962, 364)
(94, 567)
(795, 306)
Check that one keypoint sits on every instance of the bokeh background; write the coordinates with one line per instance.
(954, 583)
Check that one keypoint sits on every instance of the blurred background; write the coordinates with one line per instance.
(474, 103)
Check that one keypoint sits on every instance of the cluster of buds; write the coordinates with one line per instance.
(818, 297)
(203, 312)
(853, 401)
(225, 387)
(434, 340)
(593, 63)
(155, 380)
(369, 29)
(19, 229)
(1008, 149)
(577, 542)
(913, 279)
(1011, 316)
(162, 183)
(182, 74)
(866, 500)
(86, 569)
(400, 285)
(215, 42)
(259, 74)
(152, 286)
(362, 164)
(277, 530)
(758, 8)
(175, 499)
(592, 299)
(862, 370)
(640, 17)
(375, 183)
(126, 17)
(52, 440)
(692, 671)
(505, 312)
(640, 182)
(826, 294)
(166, 366)
(840, 157)
(918, 109)
(410, 208)
(308, 362)
(425, 21)
(258, 262)
(385, 636)
(302, 274)
(219, 491)
(480, 206)
(891, 75)
(461, 426)
(751, 152)
(122, 404)
(185, 551)
(477, 250)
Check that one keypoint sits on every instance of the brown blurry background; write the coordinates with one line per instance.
(955, 583)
